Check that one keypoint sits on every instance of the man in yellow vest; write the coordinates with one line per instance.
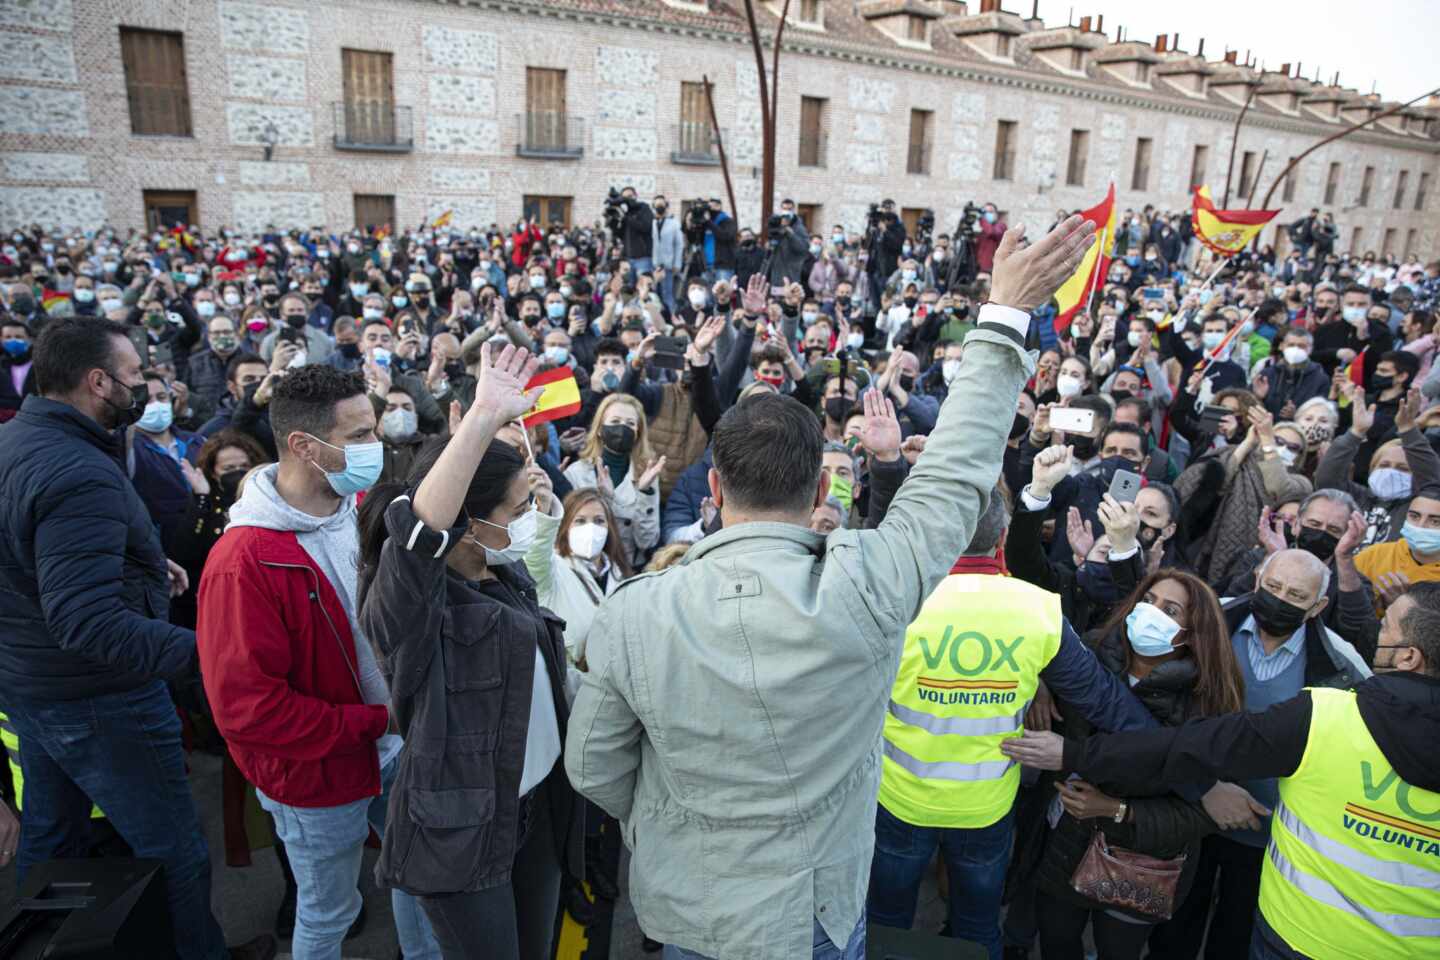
(1352, 871)
(970, 667)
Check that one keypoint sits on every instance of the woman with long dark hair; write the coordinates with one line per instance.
(1170, 641)
(484, 821)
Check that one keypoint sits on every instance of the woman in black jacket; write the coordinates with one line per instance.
(483, 819)
(1169, 638)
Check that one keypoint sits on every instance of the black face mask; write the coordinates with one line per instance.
(907, 382)
(454, 370)
(1110, 465)
(230, 485)
(295, 321)
(789, 310)
(842, 302)
(350, 351)
(911, 301)
(618, 438)
(837, 408)
(1147, 535)
(271, 298)
(1084, 447)
(1119, 395)
(1277, 617)
(1319, 542)
(22, 304)
(139, 396)
(1378, 382)
(1020, 427)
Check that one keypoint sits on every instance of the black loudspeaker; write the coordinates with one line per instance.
(888, 943)
(90, 909)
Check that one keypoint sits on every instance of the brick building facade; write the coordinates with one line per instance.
(423, 106)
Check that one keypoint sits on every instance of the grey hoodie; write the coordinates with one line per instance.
(333, 542)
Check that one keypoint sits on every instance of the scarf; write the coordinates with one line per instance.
(989, 566)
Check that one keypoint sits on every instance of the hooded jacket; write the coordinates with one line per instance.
(280, 656)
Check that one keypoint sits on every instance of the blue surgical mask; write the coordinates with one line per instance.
(1204, 296)
(557, 355)
(1353, 314)
(358, 290)
(1423, 540)
(1211, 339)
(157, 417)
(555, 310)
(363, 463)
(1151, 631)
(990, 216)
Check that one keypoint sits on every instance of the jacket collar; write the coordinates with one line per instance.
(788, 534)
(67, 419)
(1320, 661)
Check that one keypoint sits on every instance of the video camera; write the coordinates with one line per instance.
(925, 227)
(970, 219)
(615, 211)
(775, 228)
(697, 219)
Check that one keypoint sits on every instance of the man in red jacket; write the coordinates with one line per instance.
(294, 685)
(992, 229)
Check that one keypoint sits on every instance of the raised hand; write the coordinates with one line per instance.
(757, 295)
(1263, 423)
(880, 434)
(1051, 465)
(1362, 417)
(1026, 278)
(1391, 585)
(1121, 522)
(541, 487)
(1405, 414)
(1272, 532)
(198, 484)
(1078, 532)
(500, 386)
(647, 479)
(1353, 536)
(707, 332)
(913, 446)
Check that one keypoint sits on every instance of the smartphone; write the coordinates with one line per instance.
(1211, 416)
(1072, 421)
(1152, 293)
(406, 326)
(291, 335)
(670, 352)
(1124, 486)
(140, 340)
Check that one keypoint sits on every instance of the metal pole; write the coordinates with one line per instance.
(767, 131)
(720, 145)
(769, 185)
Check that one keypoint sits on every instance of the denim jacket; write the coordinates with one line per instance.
(732, 713)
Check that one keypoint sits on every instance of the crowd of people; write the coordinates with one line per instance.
(276, 494)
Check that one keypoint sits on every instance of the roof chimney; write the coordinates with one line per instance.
(1285, 69)
(1298, 75)
(1084, 24)
(1160, 42)
(1200, 51)
(1230, 56)
(1035, 10)
(1100, 23)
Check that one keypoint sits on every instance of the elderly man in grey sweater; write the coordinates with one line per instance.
(732, 712)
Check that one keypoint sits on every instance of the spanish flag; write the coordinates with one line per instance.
(443, 220)
(561, 397)
(1226, 232)
(1071, 298)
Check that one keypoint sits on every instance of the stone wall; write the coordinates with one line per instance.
(266, 78)
(66, 208)
(259, 210)
(53, 167)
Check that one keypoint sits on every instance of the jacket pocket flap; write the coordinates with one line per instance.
(450, 809)
(742, 585)
(477, 623)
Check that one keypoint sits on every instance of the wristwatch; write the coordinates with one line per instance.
(1120, 814)
(1268, 448)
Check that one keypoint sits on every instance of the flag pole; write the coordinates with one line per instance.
(1094, 281)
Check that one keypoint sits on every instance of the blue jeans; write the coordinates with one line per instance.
(325, 846)
(722, 274)
(822, 948)
(667, 288)
(121, 751)
(975, 859)
(1265, 943)
(642, 265)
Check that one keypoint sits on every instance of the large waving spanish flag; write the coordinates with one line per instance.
(1226, 232)
(1071, 298)
(561, 397)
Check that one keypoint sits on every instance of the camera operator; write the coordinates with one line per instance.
(885, 238)
(749, 257)
(668, 244)
(636, 230)
(789, 246)
(720, 242)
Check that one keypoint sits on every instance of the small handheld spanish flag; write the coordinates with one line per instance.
(1226, 232)
(560, 399)
(1074, 294)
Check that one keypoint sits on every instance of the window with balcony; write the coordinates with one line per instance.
(1247, 173)
(1004, 163)
(1400, 185)
(155, 82)
(1422, 188)
(546, 128)
(1367, 182)
(1332, 183)
(812, 131)
(922, 123)
(810, 11)
(1079, 155)
(694, 139)
(1140, 175)
(1288, 191)
(1199, 164)
(368, 119)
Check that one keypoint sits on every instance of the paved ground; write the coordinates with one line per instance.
(245, 899)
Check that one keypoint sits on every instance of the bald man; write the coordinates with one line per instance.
(1282, 647)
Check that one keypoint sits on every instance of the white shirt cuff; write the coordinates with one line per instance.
(1124, 554)
(1017, 320)
(1032, 502)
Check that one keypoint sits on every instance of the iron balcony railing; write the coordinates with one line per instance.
(374, 126)
(549, 134)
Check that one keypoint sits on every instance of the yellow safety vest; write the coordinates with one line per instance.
(971, 663)
(11, 739)
(1353, 866)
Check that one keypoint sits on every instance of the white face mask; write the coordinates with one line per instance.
(522, 535)
(399, 423)
(697, 297)
(1068, 386)
(950, 369)
(587, 539)
(1295, 355)
(1134, 338)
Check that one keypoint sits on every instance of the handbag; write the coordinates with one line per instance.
(1123, 878)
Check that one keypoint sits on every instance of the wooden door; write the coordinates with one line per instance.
(812, 122)
(369, 92)
(694, 120)
(545, 108)
(374, 210)
(167, 208)
(548, 211)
